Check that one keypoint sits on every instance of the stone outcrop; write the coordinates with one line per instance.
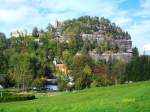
(111, 56)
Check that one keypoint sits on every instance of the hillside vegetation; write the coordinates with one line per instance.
(79, 53)
(122, 98)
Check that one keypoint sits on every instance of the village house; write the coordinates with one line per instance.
(62, 68)
(59, 66)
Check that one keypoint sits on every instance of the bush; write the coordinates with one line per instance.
(94, 84)
(62, 84)
(16, 97)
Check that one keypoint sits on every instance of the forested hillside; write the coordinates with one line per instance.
(79, 53)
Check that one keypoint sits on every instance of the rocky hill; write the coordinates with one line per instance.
(107, 37)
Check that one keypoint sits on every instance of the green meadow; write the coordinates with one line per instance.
(121, 98)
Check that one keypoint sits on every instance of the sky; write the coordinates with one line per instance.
(131, 15)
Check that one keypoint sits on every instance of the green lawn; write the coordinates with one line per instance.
(122, 98)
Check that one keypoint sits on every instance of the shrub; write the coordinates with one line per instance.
(16, 97)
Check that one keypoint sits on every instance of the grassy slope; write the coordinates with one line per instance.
(122, 98)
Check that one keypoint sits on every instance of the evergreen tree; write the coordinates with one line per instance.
(35, 32)
(135, 52)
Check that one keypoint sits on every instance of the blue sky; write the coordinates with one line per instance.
(132, 15)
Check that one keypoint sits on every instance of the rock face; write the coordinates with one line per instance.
(124, 44)
(111, 56)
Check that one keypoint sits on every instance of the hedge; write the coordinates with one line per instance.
(21, 97)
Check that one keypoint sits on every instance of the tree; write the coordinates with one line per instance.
(35, 32)
(3, 41)
(66, 56)
(40, 82)
(34, 66)
(87, 70)
(3, 62)
(86, 47)
(80, 61)
(50, 27)
(3, 54)
(135, 52)
(72, 46)
(81, 70)
(8, 81)
(118, 70)
(87, 74)
(138, 69)
(100, 80)
(19, 70)
(62, 83)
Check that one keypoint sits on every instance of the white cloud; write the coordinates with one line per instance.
(123, 21)
(13, 1)
(145, 4)
(144, 9)
(140, 34)
(12, 15)
(96, 8)
(147, 47)
(23, 12)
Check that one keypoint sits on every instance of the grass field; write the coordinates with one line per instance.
(122, 98)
